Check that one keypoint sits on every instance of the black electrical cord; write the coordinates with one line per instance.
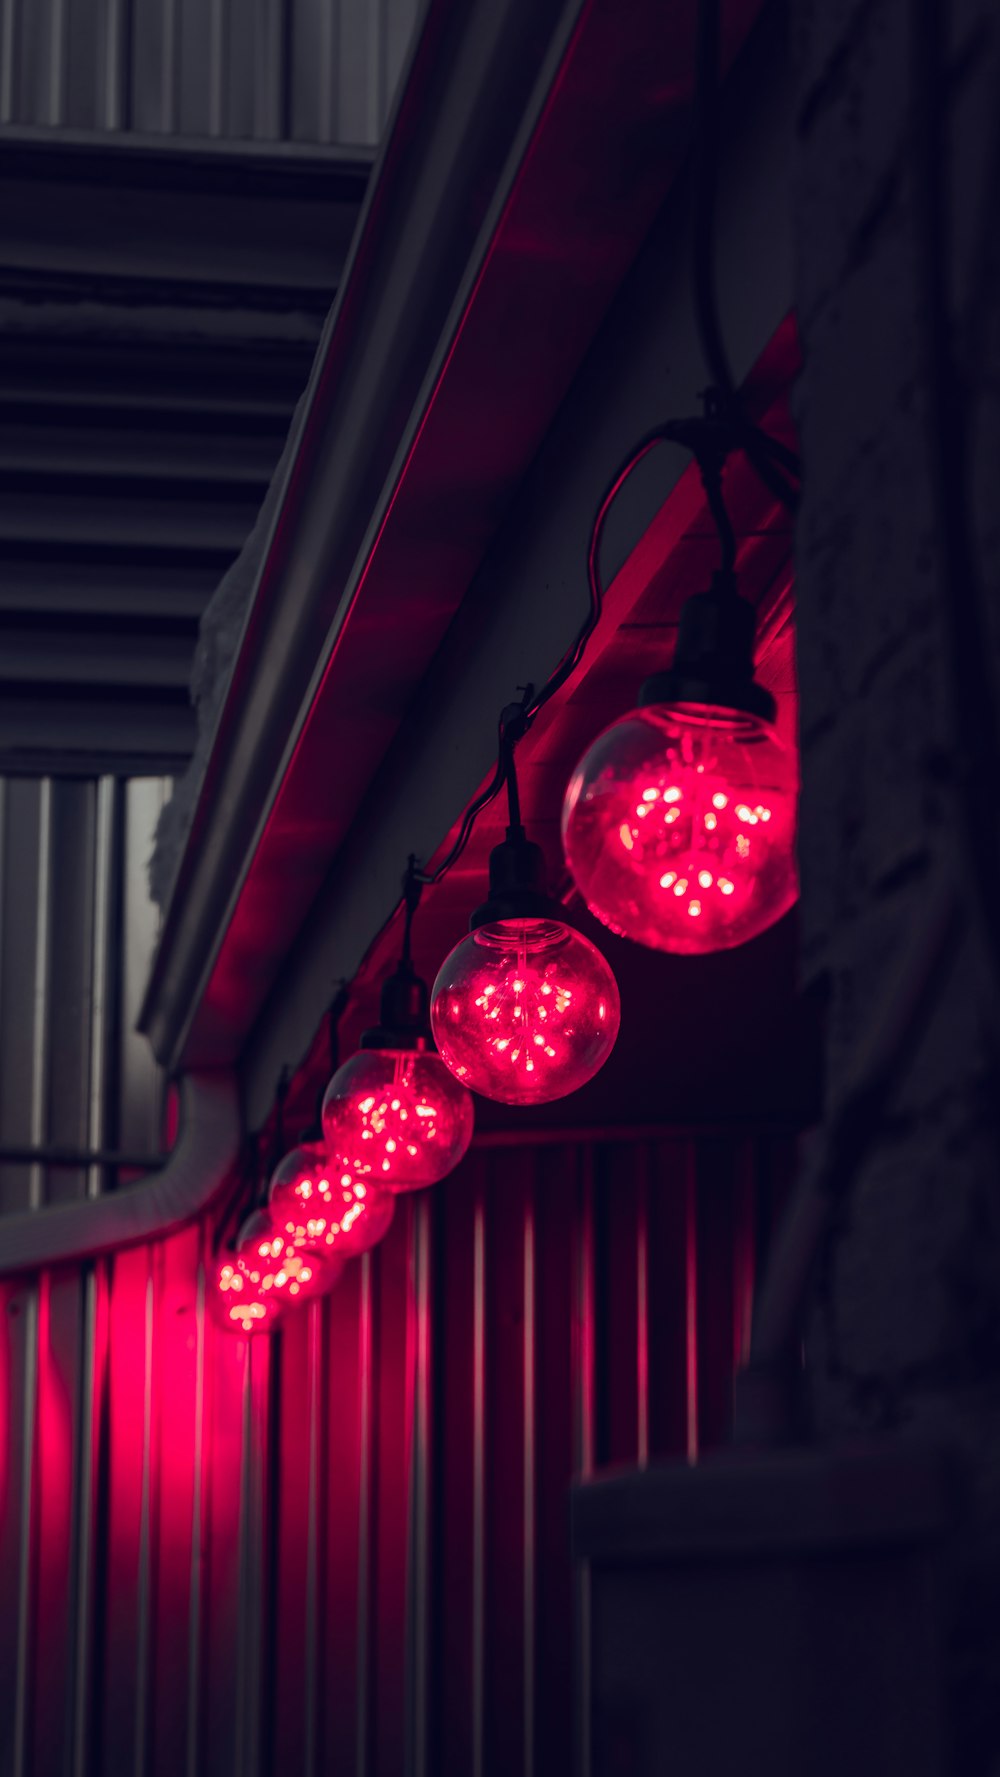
(766, 455)
(335, 1012)
(705, 186)
(413, 888)
(513, 793)
(571, 660)
(723, 429)
(469, 819)
(710, 438)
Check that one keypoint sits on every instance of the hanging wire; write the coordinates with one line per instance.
(469, 819)
(768, 456)
(335, 1012)
(763, 452)
(413, 888)
(571, 660)
(513, 794)
(711, 451)
(722, 407)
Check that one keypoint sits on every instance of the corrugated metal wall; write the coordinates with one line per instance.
(347, 1549)
(265, 70)
(77, 931)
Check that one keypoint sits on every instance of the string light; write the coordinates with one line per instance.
(279, 1266)
(266, 1274)
(241, 1304)
(679, 827)
(679, 830)
(678, 824)
(525, 1009)
(394, 1118)
(322, 1209)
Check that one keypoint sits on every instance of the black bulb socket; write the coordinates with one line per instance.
(404, 1014)
(713, 660)
(518, 885)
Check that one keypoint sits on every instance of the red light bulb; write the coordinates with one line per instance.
(396, 1119)
(322, 1209)
(267, 1274)
(240, 1302)
(525, 1010)
(679, 827)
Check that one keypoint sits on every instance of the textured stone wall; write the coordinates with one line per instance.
(907, 1330)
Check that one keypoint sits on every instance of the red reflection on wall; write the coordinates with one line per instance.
(129, 1377)
(175, 1433)
(6, 1428)
(55, 1443)
(59, 1316)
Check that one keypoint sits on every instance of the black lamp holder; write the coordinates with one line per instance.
(518, 884)
(713, 660)
(404, 1010)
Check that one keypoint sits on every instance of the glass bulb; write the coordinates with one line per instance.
(679, 827)
(241, 1306)
(267, 1273)
(396, 1118)
(321, 1208)
(525, 1010)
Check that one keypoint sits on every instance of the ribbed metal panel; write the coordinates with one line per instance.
(262, 70)
(77, 931)
(347, 1549)
(161, 312)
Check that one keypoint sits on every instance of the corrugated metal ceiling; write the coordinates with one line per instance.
(162, 309)
(271, 70)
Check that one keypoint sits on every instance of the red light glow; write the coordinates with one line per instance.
(679, 828)
(266, 1274)
(240, 1302)
(396, 1118)
(525, 1010)
(320, 1207)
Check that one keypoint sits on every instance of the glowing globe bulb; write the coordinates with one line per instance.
(321, 1208)
(396, 1119)
(525, 1010)
(679, 827)
(278, 1267)
(239, 1301)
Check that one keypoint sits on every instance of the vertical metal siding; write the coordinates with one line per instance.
(347, 1549)
(262, 70)
(77, 930)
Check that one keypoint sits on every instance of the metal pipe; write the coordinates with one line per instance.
(43, 1154)
(188, 1183)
